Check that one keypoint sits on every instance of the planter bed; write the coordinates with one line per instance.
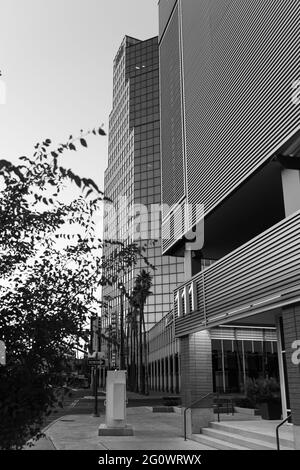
(247, 411)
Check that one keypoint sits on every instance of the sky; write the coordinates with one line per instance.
(56, 60)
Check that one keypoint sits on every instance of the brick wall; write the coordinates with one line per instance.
(196, 368)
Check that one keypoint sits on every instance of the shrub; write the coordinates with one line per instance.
(263, 390)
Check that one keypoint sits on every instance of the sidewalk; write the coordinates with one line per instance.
(152, 431)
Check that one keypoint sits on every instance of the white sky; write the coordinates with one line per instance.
(56, 59)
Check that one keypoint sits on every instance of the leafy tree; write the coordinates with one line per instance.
(52, 269)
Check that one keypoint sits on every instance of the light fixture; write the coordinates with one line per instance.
(291, 162)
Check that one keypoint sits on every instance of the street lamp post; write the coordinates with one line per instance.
(96, 380)
(94, 346)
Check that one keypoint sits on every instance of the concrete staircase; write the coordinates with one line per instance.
(231, 436)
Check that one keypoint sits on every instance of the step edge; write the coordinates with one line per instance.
(260, 435)
(198, 438)
(263, 446)
(266, 445)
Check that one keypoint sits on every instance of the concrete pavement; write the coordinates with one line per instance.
(152, 431)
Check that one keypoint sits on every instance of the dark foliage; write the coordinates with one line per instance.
(48, 292)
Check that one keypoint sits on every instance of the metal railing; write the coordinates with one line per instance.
(225, 402)
(215, 406)
(190, 407)
(279, 426)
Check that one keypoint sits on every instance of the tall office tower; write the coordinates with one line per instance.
(133, 181)
(230, 134)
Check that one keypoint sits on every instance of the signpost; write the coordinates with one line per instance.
(96, 360)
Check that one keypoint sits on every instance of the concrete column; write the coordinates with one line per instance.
(167, 374)
(179, 372)
(174, 373)
(170, 360)
(196, 378)
(170, 374)
(291, 327)
(153, 375)
(159, 375)
(291, 190)
(162, 367)
(150, 375)
(188, 265)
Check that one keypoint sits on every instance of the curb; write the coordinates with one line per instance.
(52, 442)
(45, 429)
(51, 424)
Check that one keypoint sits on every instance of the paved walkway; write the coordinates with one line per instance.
(152, 431)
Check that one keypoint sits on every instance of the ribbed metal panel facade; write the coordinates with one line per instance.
(165, 10)
(171, 115)
(262, 274)
(240, 58)
(176, 227)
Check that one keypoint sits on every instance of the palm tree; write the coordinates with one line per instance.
(132, 346)
(141, 291)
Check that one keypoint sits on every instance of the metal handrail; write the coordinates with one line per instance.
(277, 429)
(226, 402)
(191, 406)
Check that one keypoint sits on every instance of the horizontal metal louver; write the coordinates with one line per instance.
(249, 334)
(262, 274)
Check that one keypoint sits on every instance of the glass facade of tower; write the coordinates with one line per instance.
(133, 177)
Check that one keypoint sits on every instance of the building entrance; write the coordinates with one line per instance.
(235, 361)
